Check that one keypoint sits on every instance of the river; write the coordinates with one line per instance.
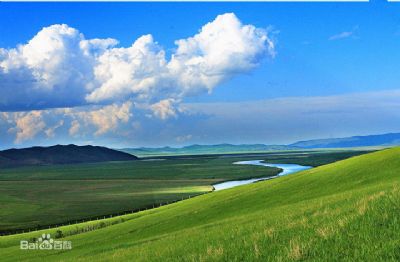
(286, 170)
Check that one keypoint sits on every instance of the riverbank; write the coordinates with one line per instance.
(286, 170)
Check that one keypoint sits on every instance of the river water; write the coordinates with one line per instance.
(286, 170)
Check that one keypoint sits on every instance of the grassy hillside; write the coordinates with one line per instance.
(348, 210)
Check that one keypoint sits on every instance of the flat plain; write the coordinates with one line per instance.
(40, 196)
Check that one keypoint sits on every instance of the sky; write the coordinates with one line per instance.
(174, 74)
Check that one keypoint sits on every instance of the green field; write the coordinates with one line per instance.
(344, 211)
(34, 197)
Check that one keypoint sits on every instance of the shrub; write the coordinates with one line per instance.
(59, 234)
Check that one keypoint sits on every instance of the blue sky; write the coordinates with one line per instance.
(329, 50)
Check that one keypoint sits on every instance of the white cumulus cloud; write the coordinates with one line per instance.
(223, 48)
(60, 68)
(61, 82)
(50, 132)
(164, 109)
(76, 122)
(107, 118)
(74, 129)
(27, 125)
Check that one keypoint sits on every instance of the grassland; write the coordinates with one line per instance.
(344, 211)
(35, 197)
(39, 196)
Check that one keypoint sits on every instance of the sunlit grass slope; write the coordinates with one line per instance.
(345, 211)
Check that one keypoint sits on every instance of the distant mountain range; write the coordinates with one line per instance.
(72, 154)
(354, 141)
(61, 154)
(206, 149)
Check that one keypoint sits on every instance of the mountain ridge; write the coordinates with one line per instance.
(388, 139)
(206, 149)
(61, 154)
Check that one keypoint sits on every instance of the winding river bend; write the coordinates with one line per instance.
(286, 170)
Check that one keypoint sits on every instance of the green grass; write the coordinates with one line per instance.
(33, 197)
(312, 158)
(48, 195)
(344, 211)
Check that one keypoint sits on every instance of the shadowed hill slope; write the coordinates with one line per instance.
(61, 154)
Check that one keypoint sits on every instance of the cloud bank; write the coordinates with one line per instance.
(282, 120)
(60, 81)
(59, 67)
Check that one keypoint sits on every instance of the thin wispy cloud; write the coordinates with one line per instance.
(287, 119)
(344, 35)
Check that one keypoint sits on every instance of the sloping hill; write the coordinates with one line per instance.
(348, 210)
(61, 154)
(354, 141)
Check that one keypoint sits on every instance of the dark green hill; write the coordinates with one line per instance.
(61, 154)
